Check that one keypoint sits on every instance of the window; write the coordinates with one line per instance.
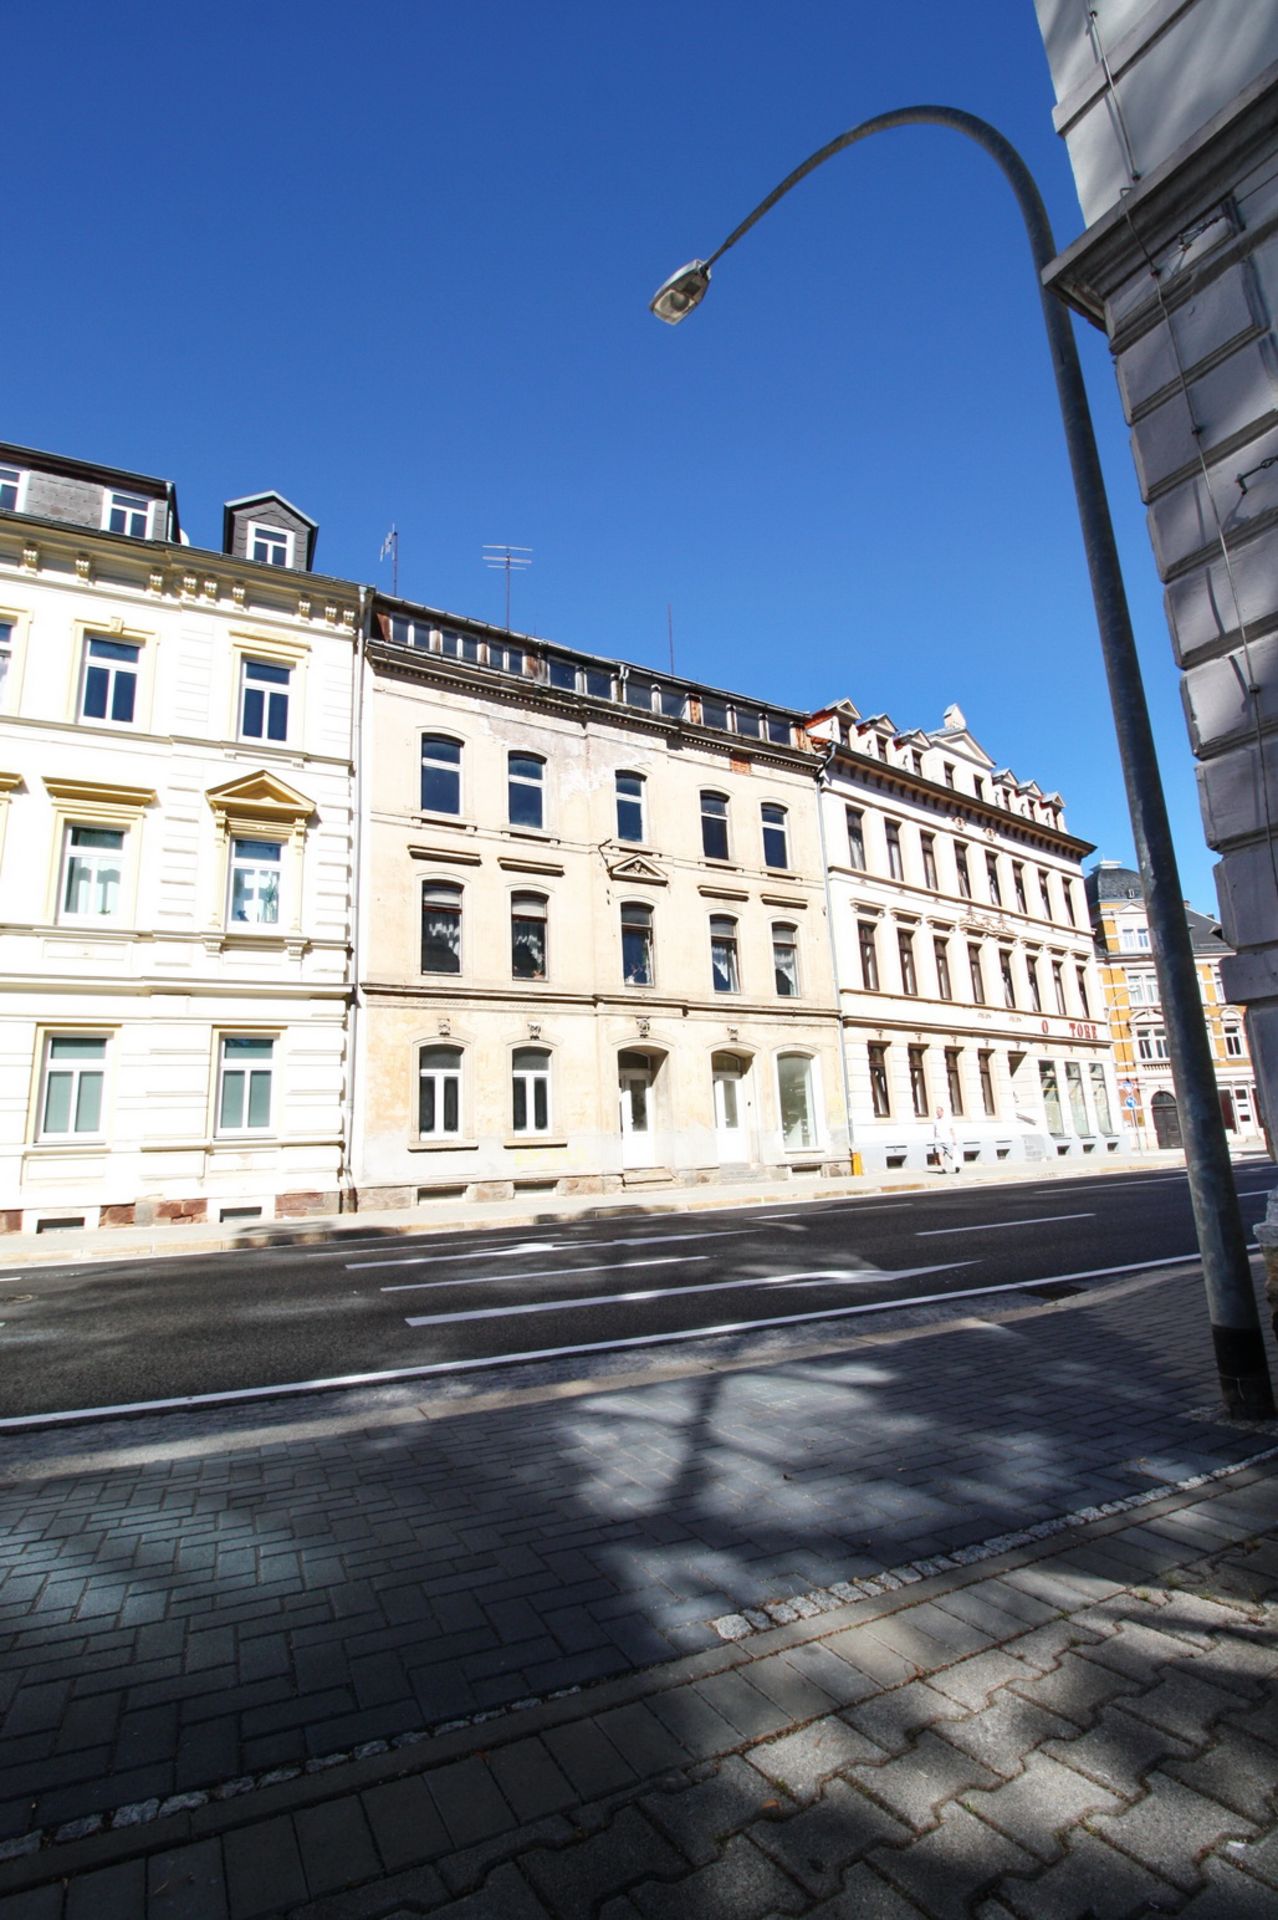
(1058, 985)
(867, 940)
(636, 943)
(714, 826)
(264, 701)
(1134, 940)
(1044, 884)
(723, 953)
(1051, 1097)
(1100, 1098)
(505, 659)
(856, 838)
(630, 806)
(530, 1090)
(1071, 905)
(1142, 989)
(525, 800)
(775, 851)
(255, 883)
(778, 730)
(92, 873)
(273, 546)
(1080, 976)
(595, 681)
(1151, 1044)
(109, 688)
(438, 1092)
(785, 957)
(74, 1071)
(960, 867)
(1006, 976)
(918, 1080)
(896, 865)
(460, 646)
(916, 761)
(991, 876)
(978, 978)
(10, 489)
(127, 513)
(441, 774)
(880, 1098)
(1018, 886)
(794, 1090)
(244, 1094)
(941, 954)
(1031, 969)
(441, 926)
(954, 1080)
(947, 768)
(1234, 1043)
(905, 948)
(927, 845)
(1077, 1104)
(985, 1067)
(528, 936)
(714, 713)
(6, 654)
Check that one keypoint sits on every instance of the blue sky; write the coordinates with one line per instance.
(395, 260)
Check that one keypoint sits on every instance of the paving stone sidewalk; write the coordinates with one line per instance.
(1084, 1726)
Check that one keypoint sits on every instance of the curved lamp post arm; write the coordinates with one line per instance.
(1235, 1321)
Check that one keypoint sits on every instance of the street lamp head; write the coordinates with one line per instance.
(677, 296)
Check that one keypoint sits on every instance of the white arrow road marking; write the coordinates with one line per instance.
(547, 1273)
(551, 1246)
(991, 1226)
(840, 1275)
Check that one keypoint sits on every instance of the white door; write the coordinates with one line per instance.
(635, 1093)
(731, 1108)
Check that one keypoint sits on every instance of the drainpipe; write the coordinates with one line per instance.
(823, 787)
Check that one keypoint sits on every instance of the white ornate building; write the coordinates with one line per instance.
(175, 855)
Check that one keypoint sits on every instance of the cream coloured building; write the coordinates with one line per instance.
(594, 947)
(175, 855)
(971, 1006)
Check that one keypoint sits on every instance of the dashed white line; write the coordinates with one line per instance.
(552, 1246)
(995, 1226)
(547, 1273)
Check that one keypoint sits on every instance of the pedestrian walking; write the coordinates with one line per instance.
(945, 1143)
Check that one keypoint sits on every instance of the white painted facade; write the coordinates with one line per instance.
(972, 1011)
(176, 883)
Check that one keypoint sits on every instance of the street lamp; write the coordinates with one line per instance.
(1235, 1321)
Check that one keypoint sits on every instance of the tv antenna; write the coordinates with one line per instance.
(507, 560)
(390, 545)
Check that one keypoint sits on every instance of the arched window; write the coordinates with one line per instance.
(714, 826)
(785, 957)
(530, 1090)
(528, 914)
(630, 824)
(723, 953)
(441, 774)
(776, 852)
(438, 1092)
(636, 943)
(526, 790)
(794, 1093)
(441, 926)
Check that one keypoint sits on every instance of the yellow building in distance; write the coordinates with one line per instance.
(1141, 1056)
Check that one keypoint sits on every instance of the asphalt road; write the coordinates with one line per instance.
(111, 1336)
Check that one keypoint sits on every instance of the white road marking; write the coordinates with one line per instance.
(552, 1246)
(16, 1422)
(841, 1275)
(547, 1273)
(993, 1226)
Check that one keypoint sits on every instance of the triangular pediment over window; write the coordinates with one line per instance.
(634, 867)
(260, 797)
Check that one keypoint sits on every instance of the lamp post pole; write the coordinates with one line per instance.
(1235, 1321)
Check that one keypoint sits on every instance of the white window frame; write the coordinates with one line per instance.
(117, 671)
(532, 908)
(96, 863)
(451, 767)
(451, 898)
(1151, 1045)
(78, 1073)
(779, 824)
(283, 537)
(785, 940)
(637, 800)
(719, 818)
(441, 1077)
(270, 691)
(628, 911)
(255, 864)
(811, 1083)
(528, 783)
(8, 651)
(530, 1079)
(130, 507)
(1234, 1047)
(245, 1130)
(725, 931)
(16, 477)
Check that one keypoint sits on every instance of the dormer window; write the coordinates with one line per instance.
(10, 488)
(272, 546)
(127, 513)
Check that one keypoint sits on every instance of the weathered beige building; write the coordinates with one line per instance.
(595, 952)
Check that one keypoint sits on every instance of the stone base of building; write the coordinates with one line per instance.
(394, 1199)
(195, 1210)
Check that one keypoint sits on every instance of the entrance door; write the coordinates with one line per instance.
(634, 1089)
(731, 1109)
(1166, 1117)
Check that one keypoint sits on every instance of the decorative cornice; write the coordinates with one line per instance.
(98, 793)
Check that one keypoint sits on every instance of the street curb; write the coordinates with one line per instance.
(508, 1725)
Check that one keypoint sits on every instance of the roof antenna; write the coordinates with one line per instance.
(506, 559)
(670, 633)
(390, 545)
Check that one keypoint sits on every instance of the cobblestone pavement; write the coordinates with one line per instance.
(1084, 1728)
(190, 1603)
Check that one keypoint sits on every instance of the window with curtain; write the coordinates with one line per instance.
(724, 971)
(528, 917)
(441, 926)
